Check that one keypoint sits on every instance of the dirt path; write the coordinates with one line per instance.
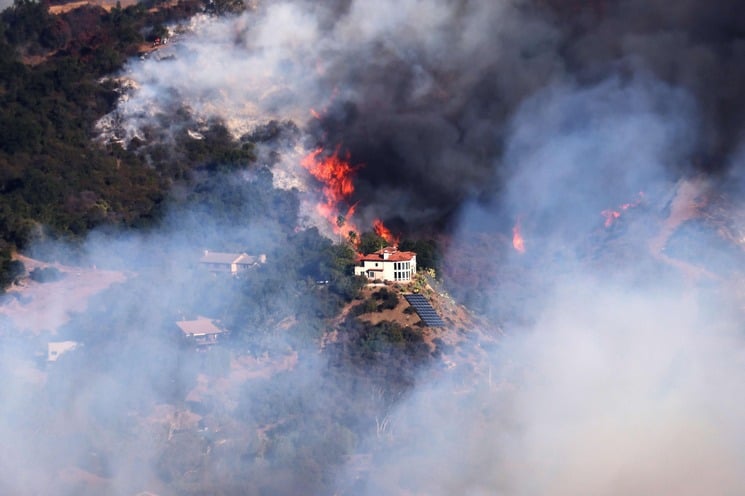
(106, 4)
(44, 307)
(687, 203)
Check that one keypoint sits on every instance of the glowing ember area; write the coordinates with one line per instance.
(612, 215)
(384, 232)
(336, 175)
(517, 238)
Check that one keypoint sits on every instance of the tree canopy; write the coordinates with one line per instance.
(55, 181)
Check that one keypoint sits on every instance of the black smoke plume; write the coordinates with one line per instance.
(428, 108)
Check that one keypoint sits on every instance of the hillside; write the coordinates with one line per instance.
(458, 342)
(188, 187)
(33, 306)
(56, 182)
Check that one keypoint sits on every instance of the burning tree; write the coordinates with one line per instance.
(384, 232)
(336, 174)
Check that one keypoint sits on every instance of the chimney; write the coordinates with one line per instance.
(386, 254)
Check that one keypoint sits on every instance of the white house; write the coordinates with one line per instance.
(229, 263)
(388, 264)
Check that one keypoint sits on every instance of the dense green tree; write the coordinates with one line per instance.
(25, 21)
(52, 173)
(10, 269)
(427, 252)
(370, 242)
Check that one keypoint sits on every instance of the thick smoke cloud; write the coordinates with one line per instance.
(612, 392)
(691, 45)
(620, 373)
(575, 151)
(121, 413)
(400, 86)
(490, 57)
(420, 92)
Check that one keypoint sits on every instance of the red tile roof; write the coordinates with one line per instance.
(393, 256)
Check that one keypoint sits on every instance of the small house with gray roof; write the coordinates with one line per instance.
(201, 331)
(229, 263)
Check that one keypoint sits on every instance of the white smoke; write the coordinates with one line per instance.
(614, 391)
(285, 59)
(623, 375)
(239, 69)
(416, 73)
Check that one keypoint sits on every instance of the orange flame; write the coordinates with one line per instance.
(384, 232)
(518, 243)
(336, 175)
(612, 215)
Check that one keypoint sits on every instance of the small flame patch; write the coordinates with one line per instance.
(612, 215)
(518, 243)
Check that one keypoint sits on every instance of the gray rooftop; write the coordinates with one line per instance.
(220, 257)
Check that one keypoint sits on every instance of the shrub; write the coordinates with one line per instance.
(367, 306)
(390, 301)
